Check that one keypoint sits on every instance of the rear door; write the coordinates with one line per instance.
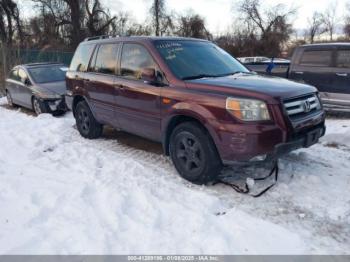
(315, 67)
(138, 101)
(340, 92)
(12, 85)
(99, 82)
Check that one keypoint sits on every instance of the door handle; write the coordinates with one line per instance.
(299, 73)
(342, 74)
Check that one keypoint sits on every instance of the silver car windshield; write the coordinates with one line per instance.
(47, 74)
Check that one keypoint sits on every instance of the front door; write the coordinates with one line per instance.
(138, 102)
(315, 68)
(24, 89)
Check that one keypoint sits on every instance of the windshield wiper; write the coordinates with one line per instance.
(238, 72)
(199, 76)
(207, 75)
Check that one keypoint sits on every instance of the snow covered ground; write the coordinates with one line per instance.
(62, 194)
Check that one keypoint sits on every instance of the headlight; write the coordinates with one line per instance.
(48, 96)
(248, 109)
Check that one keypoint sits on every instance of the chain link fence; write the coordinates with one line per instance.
(16, 56)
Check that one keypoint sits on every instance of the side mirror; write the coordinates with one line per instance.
(27, 82)
(149, 75)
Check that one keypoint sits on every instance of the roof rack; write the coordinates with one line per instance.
(98, 37)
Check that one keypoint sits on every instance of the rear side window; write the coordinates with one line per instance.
(81, 58)
(322, 58)
(343, 58)
(106, 59)
(135, 58)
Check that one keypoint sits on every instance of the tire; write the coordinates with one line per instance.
(9, 99)
(194, 154)
(39, 107)
(87, 125)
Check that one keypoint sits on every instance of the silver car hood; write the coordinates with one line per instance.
(58, 88)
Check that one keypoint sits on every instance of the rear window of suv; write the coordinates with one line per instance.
(106, 59)
(81, 58)
(322, 58)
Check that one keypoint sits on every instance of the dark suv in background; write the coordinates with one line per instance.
(327, 67)
(205, 107)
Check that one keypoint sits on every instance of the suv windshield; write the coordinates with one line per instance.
(48, 74)
(196, 59)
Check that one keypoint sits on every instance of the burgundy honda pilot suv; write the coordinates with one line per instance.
(204, 106)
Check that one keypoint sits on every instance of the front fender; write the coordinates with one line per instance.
(194, 111)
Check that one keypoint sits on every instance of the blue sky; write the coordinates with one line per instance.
(219, 14)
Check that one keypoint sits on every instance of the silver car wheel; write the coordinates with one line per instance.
(36, 106)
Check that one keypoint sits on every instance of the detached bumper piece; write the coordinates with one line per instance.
(56, 105)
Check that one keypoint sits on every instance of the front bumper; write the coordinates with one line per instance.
(306, 140)
(257, 143)
(56, 105)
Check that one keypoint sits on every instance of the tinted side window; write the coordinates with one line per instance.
(81, 58)
(22, 75)
(14, 75)
(316, 58)
(343, 58)
(135, 58)
(106, 59)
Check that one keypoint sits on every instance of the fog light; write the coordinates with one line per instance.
(258, 158)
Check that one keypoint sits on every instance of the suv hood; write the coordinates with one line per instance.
(58, 88)
(265, 85)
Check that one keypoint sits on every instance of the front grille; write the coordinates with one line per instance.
(302, 106)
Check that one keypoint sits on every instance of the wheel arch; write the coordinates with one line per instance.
(178, 119)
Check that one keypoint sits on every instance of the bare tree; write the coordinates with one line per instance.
(98, 19)
(68, 17)
(315, 26)
(192, 25)
(9, 22)
(10, 26)
(347, 21)
(77, 19)
(330, 18)
(271, 27)
(161, 21)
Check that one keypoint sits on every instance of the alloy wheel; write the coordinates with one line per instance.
(83, 120)
(36, 106)
(189, 152)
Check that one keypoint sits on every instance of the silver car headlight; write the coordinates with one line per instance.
(47, 95)
(248, 109)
